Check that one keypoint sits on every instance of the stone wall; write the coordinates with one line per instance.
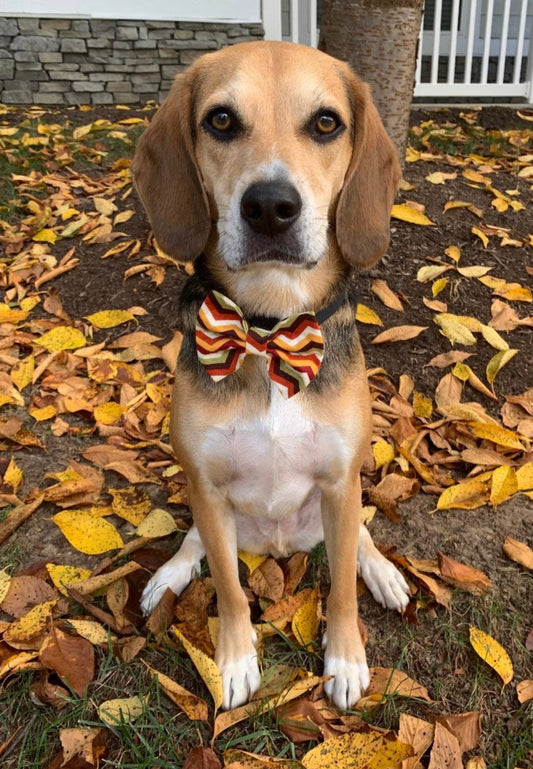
(101, 61)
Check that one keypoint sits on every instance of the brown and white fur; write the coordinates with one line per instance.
(270, 160)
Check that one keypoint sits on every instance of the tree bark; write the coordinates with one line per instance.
(378, 38)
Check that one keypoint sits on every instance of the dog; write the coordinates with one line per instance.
(268, 165)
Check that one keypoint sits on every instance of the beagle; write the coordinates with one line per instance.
(268, 165)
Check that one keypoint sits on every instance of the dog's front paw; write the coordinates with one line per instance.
(350, 680)
(387, 585)
(240, 679)
(173, 575)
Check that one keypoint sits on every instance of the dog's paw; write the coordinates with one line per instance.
(387, 585)
(173, 575)
(350, 681)
(240, 679)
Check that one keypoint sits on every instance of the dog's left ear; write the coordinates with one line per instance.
(370, 185)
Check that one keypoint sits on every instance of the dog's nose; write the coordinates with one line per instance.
(271, 207)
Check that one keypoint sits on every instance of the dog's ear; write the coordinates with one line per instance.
(167, 177)
(370, 185)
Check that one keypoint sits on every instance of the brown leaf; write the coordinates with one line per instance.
(524, 691)
(389, 298)
(193, 706)
(447, 358)
(285, 608)
(300, 721)
(202, 758)
(49, 693)
(417, 733)
(517, 551)
(294, 571)
(385, 681)
(466, 727)
(267, 581)
(463, 576)
(448, 391)
(445, 752)
(398, 334)
(26, 592)
(72, 658)
(392, 489)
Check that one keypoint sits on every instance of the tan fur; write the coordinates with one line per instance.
(187, 181)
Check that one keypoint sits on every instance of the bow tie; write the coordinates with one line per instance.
(293, 348)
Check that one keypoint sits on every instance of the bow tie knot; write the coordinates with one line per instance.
(293, 349)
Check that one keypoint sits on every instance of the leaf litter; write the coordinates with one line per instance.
(73, 368)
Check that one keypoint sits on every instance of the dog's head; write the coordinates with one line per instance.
(267, 151)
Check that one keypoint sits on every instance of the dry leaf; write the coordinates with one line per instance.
(193, 706)
(519, 552)
(524, 691)
(389, 298)
(71, 657)
(408, 214)
(123, 710)
(398, 334)
(445, 751)
(492, 653)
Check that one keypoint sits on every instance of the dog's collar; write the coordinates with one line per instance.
(267, 322)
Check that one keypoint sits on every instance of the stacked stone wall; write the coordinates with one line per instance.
(101, 61)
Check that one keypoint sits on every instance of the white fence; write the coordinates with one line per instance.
(467, 48)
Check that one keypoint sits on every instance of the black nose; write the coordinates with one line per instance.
(271, 207)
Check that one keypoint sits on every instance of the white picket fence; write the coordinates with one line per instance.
(467, 49)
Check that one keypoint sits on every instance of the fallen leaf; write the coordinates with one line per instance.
(202, 758)
(408, 214)
(122, 710)
(519, 552)
(193, 706)
(71, 657)
(306, 619)
(398, 334)
(205, 666)
(503, 485)
(158, 523)
(110, 318)
(86, 533)
(445, 752)
(492, 653)
(267, 580)
(524, 691)
(389, 298)
(468, 495)
(365, 314)
(61, 338)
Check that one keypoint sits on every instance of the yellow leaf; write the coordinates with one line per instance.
(383, 453)
(158, 523)
(62, 338)
(454, 252)
(110, 318)
(524, 477)
(431, 271)
(439, 177)
(5, 581)
(29, 302)
(481, 235)
(82, 131)
(193, 706)
(13, 475)
(41, 415)
(93, 631)
(408, 214)
(306, 619)
(499, 435)
(251, 560)
(132, 504)
(365, 315)
(453, 329)
(491, 336)
(108, 413)
(11, 315)
(121, 711)
(439, 286)
(62, 576)
(349, 751)
(68, 213)
(476, 271)
(390, 754)
(422, 405)
(492, 653)
(464, 496)
(398, 334)
(206, 668)
(22, 372)
(46, 236)
(124, 216)
(503, 485)
(500, 204)
(515, 293)
(104, 206)
(497, 362)
(461, 371)
(31, 624)
(87, 533)
(474, 176)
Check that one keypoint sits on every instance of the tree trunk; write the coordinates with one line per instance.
(378, 38)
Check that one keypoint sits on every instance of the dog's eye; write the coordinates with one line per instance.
(222, 123)
(325, 125)
(220, 120)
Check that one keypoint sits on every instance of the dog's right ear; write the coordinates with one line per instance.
(168, 179)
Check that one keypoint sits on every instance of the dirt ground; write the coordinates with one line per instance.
(473, 537)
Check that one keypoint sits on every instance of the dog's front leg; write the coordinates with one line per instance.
(345, 657)
(236, 656)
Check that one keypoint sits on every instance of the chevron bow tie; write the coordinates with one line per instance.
(293, 348)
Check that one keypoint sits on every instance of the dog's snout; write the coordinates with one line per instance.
(271, 207)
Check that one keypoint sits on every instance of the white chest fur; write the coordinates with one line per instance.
(269, 467)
